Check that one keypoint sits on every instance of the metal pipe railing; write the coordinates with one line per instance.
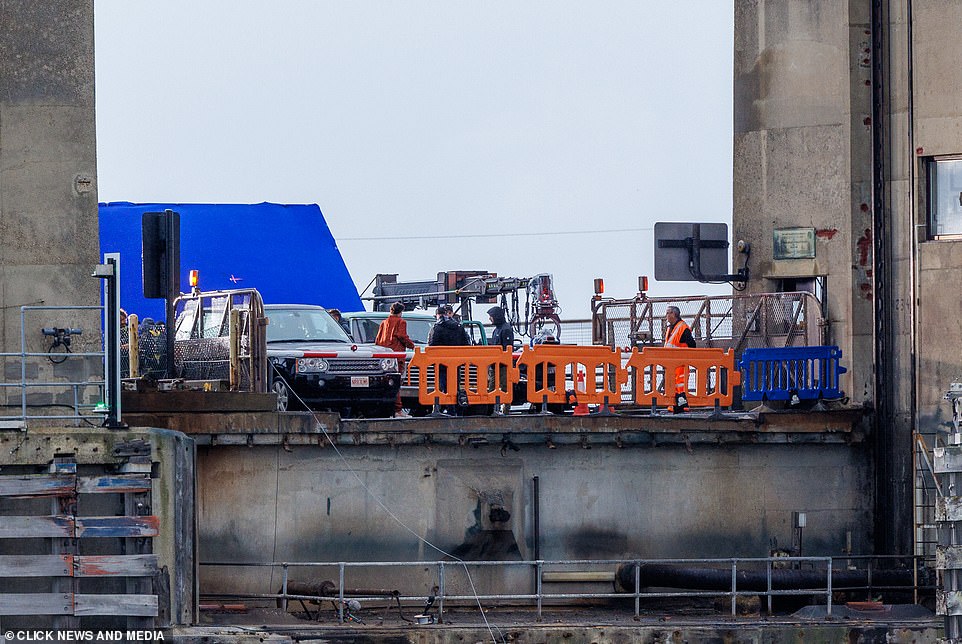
(539, 596)
(25, 384)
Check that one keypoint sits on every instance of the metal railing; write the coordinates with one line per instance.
(78, 388)
(725, 321)
(539, 597)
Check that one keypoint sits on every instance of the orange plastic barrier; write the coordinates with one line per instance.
(711, 375)
(595, 373)
(485, 374)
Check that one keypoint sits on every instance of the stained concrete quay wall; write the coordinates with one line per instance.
(652, 493)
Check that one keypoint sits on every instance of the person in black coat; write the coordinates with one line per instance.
(447, 332)
(503, 334)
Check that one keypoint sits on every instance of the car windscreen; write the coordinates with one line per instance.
(418, 330)
(308, 325)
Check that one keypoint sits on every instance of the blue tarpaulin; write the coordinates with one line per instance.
(286, 252)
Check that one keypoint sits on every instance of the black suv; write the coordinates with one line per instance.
(310, 355)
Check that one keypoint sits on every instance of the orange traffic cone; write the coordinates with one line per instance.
(581, 409)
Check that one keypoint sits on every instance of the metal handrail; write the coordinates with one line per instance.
(539, 596)
(760, 319)
(24, 384)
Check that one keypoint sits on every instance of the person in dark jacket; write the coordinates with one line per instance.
(503, 334)
(447, 332)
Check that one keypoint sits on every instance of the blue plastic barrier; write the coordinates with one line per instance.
(775, 374)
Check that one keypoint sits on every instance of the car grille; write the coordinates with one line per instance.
(357, 364)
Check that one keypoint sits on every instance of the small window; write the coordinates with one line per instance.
(944, 177)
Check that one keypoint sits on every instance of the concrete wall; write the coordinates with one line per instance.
(48, 197)
(304, 503)
(802, 156)
(937, 109)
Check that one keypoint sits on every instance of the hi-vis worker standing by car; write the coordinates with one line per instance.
(393, 333)
(678, 336)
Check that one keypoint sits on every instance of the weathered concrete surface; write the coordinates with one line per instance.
(669, 630)
(48, 197)
(938, 130)
(622, 489)
(802, 157)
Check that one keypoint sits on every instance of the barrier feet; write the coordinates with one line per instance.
(544, 407)
(605, 409)
(820, 405)
(762, 408)
(436, 410)
(717, 413)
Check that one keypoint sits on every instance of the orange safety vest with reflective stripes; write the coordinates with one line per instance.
(674, 341)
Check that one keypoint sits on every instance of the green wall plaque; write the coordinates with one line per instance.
(794, 243)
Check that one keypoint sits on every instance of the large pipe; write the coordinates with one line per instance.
(671, 576)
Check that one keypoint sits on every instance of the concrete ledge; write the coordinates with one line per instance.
(257, 428)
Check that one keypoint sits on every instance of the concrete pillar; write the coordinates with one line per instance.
(802, 157)
(48, 195)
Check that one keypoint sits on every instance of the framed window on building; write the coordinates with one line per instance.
(943, 176)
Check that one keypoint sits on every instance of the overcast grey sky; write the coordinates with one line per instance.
(421, 127)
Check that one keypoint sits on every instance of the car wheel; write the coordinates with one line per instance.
(285, 398)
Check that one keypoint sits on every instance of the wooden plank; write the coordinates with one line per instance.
(118, 484)
(116, 565)
(87, 527)
(38, 485)
(948, 603)
(138, 605)
(35, 604)
(40, 526)
(948, 508)
(36, 565)
(948, 557)
(947, 459)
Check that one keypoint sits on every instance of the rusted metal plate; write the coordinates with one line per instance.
(947, 459)
(38, 485)
(88, 527)
(118, 484)
(948, 603)
(36, 604)
(136, 605)
(948, 557)
(36, 565)
(948, 508)
(116, 565)
(40, 526)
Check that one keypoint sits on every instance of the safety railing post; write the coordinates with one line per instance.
(869, 576)
(440, 592)
(284, 587)
(76, 404)
(23, 366)
(637, 589)
(734, 585)
(539, 566)
(340, 593)
(828, 592)
(768, 591)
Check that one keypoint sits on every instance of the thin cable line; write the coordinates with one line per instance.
(546, 233)
(391, 514)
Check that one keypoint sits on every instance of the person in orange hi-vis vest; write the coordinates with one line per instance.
(678, 336)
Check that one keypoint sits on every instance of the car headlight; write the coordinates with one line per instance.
(311, 365)
(389, 364)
